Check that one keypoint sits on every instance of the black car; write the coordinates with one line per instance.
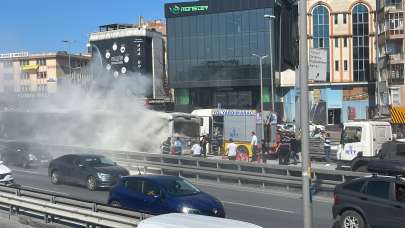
(390, 160)
(377, 201)
(23, 154)
(92, 171)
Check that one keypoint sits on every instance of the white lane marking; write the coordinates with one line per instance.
(45, 190)
(26, 171)
(259, 207)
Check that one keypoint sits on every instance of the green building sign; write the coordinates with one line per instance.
(187, 9)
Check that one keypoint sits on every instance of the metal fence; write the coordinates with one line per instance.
(53, 208)
(216, 170)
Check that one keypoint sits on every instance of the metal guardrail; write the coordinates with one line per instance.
(54, 208)
(220, 171)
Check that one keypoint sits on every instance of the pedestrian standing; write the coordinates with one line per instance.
(231, 148)
(265, 151)
(327, 149)
(253, 143)
(204, 143)
(178, 146)
(196, 149)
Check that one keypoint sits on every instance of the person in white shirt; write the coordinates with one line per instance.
(196, 150)
(253, 142)
(231, 148)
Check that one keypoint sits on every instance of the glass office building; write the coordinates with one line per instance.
(211, 46)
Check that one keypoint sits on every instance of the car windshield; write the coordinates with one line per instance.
(351, 135)
(180, 187)
(97, 162)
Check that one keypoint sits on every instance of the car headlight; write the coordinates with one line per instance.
(187, 210)
(103, 175)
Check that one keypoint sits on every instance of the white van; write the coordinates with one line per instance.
(364, 137)
(177, 220)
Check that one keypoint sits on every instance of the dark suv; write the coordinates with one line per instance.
(377, 201)
(390, 160)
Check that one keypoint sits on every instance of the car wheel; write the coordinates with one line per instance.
(91, 183)
(352, 219)
(55, 179)
(115, 203)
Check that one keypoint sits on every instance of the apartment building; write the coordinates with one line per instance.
(391, 59)
(38, 75)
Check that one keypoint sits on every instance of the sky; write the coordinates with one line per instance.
(39, 26)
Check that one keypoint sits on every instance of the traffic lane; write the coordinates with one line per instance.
(270, 209)
(267, 210)
(40, 181)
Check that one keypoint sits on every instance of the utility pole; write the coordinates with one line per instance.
(303, 63)
(261, 90)
(271, 18)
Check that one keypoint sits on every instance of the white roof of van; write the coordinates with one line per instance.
(362, 123)
(177, 220)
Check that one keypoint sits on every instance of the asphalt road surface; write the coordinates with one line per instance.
(269, 210)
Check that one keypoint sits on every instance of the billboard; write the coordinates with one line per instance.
(317, 60)
(124, 56)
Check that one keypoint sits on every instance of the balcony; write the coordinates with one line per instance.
(393, 8)
(398, 58)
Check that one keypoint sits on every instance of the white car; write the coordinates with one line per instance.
(6, 178)
(177, 220)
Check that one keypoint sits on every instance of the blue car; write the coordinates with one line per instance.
(159, 194)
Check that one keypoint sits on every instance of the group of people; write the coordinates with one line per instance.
(259, 151)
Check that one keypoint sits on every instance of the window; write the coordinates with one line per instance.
(24, 62)
(320, 17)
(25, 88)
(24, 76)
(133, 185)
(150, 189)
(400, 192)
(336, 18)
(345, 65)
(345, 42)
(379, 189)
(67, 159)
(395, 96)
(360, 43)
(355, 186)
(42, 88)
(351, 135)
(336, 65)
(41, 62)
(41, 75)
(7, 64)
(336, 42)
(344, 19)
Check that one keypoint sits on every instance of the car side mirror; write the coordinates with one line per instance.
(115, 163)
(360, 154)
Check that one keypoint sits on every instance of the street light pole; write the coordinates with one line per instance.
(261, 90)
(69, 42)
(303, 63)
(271, 17)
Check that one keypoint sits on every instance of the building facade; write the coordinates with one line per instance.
(39, 75)
(210, 51)
(391, 60)
(345, 30)
(126, 52)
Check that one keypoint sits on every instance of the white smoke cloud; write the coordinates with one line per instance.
(110, 114)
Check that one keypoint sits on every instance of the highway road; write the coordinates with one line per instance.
(267, 209)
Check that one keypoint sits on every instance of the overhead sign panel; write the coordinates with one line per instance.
(317, 64)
